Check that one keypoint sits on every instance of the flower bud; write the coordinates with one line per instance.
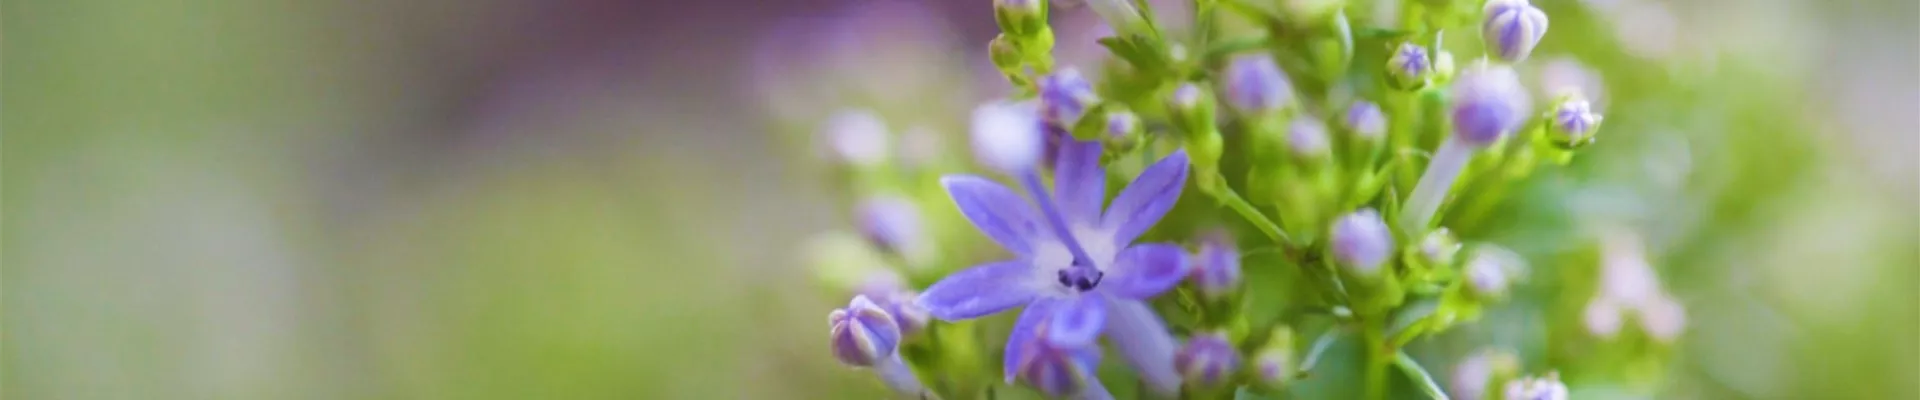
(1409, 67)
(1020, 17)
(1307, 138)
(1007, 136)
(1065, 96)
(1058, 371)
(1664, 319)
(1005, 54)
(1218, 271)
(1573, 121)
(892, 224)
(1492, 269)
(1365, 121)
(1254, 84)
(1208, 359)
(1443, 66)
(863, 333)
(1361, 241)
(856, 137)
(1472, 376)
(1273, 365)
(1122, 130)
(1438, 247)
(1512, 28)
(1488, 103)
(1192, 107)
(1541, 388)
(1602, 317)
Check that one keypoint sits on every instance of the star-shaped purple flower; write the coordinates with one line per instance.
(1075, 267)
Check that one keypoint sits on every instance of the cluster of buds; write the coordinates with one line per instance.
(1307, 218)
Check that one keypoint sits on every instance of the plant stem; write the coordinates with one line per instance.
(1227, 196)
(1442, 171)
(1379, 357)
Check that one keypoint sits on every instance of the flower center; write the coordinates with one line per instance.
(1080, 277)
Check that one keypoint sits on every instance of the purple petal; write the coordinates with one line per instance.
(1143, 340)
(1077, 321)
(1079, 183)
(1148, 198)
(1146, 270)
(998, 211)
(1020, 343)
(978, 291)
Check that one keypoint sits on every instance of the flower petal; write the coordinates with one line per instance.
(1146, 270)
(1020, 344)
(978, 291)
(1077, 321)
(997, 210)
(1147, 199)
(1143, 340)
(1079, 183)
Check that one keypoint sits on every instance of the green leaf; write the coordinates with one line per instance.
(1319, 348)
(1410, 316)
(1419, 376)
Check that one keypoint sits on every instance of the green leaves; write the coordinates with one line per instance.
(1419, 376)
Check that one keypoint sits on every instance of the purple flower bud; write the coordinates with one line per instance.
(1512, 28)
(856, 137)
(1065, 96)
(1409, 66)
(1007, 136)
(1438, 247)
(1254, 84)
(1218, 272)
(1365, 120)
(892, 224)
(1488, 103)
(1472, 376)
(1060, 371)
(1361, 241)
(1121, 124)
(1187, 97)
(863, 333)
(1273, 365)
(1574, 120)
(897, 301)
(1492, 269)
(1208, 359)
(1541, 388)
(1307, 138)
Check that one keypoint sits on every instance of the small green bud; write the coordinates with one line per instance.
(1192, 109)
(1021, 17)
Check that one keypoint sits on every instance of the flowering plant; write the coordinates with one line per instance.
(1222, 208)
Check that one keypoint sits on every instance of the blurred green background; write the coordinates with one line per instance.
(227, 199)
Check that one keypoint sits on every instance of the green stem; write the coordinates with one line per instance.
(1379, 357)
(1227, 196)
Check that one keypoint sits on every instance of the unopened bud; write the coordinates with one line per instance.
(1488, 103)
(1409, 67)
(1438, 247)
(1307, 138)
(1218, 271)
(1573, 121)
(1541, 388)
(1208, 359)
(863, 333)
(1254, 84)
(1021, 17)
(1512, 28)
(1273, 365)
(1065, 96)
(1365, 121)
(1361, 241)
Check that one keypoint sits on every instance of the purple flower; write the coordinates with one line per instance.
(1208, 359)
(863, 333)
(1065, 96)
(1574, 119)
(1059, 370)
(1365, 120)
(1409, 66)
(1488, 103)
(1512, 28)
(1075, 267)
(1361, 241)
(1216, 270)
(1540, 388)
(1254, 84)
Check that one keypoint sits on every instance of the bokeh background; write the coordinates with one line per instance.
(240, 199)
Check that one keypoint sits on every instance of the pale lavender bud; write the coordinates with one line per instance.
(1361, 241)
(1602, 317)
(1307, 138)
(1365, 120)
(1488, 103)
(1574, 120)
(863, 334)
(1121, 125)
(1007, 136)
(1060, 371)
(1254, 84)
(892, 224)
(856, 137)
(1512, 28)
(1541, 388)
(1438, 247)
(1208, 359)
(1664, 319)
(1065, 96)
(1492, 269)
(1409, 66)
(1218, 271)
(1470, 378)
(1273, 365)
